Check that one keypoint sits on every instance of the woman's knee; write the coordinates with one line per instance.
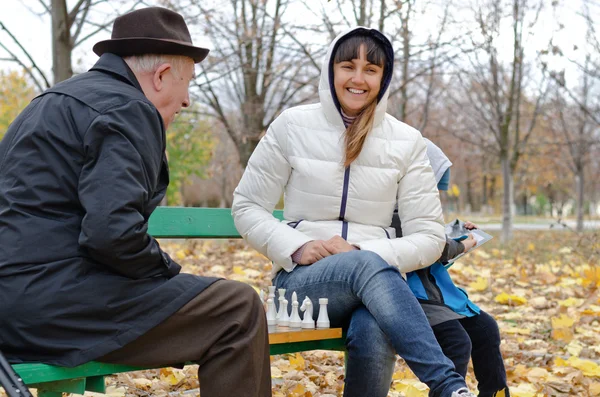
(370, 263)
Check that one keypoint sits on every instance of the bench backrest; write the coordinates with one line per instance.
(194, 222)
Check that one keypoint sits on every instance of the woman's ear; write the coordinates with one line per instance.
(159, 75)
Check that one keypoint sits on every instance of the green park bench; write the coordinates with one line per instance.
(172, 223)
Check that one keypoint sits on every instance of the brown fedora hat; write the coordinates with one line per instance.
(152, 30)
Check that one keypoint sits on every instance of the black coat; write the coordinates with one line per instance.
(81, 170)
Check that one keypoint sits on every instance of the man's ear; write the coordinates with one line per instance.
(159, 74)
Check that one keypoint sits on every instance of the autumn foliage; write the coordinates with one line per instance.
(542, 289)
(15, 94)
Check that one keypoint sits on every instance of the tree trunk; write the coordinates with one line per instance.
(245, 149)
(579, 179)
(61, 41)
(507, 199)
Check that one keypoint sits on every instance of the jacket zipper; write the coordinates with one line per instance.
(344, 201)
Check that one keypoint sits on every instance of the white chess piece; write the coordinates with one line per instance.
(284, 319)
(323, 320)
(295, 319)
(271, 295)
(308, 321)
(271, 312)
(281, 298)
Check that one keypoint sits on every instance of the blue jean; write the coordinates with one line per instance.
(478, 338)
(373, 301)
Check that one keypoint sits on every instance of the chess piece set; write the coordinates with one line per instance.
(283, 318)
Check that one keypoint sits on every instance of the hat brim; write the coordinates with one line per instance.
(143, 45)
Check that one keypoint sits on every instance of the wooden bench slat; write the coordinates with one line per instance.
(281, 336)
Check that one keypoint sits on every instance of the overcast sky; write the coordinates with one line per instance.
(27, 21)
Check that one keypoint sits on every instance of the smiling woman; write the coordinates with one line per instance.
(339, 196)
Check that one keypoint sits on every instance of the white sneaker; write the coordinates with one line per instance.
(463, 392)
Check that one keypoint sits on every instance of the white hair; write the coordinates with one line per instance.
(148, 63)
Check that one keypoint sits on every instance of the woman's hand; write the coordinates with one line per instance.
(314, 250)
(337, 245)
(469, 242)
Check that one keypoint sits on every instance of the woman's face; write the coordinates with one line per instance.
(357, 83)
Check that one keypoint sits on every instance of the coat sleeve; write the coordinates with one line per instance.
(123, 151)
(452, 249)
(258, 193)
(420, 213)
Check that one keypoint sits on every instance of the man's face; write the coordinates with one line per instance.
(174, 94)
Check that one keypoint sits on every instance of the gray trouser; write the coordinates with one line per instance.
(223, 329)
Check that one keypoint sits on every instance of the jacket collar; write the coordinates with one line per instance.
(327, 92)
(115, 65)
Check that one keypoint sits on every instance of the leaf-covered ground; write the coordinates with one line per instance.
(542, 289)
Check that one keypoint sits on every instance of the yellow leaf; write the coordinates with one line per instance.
(276, 372)
(560, 362)
(564, 334)
(570, 302)
(592, 310)
(481, 284)
(501, 393)
(239, 270)
(506, 299)
(537, 375)
(298, 391)
(589, 368)
(180, 254)
(524, 390)
(515, 330)
(531, 247)
(298, 362)
(594, 389)
(172, 376)
(563, 321)
(412, 388)
(574, 348)
(591, 277)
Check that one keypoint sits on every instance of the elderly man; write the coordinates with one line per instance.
(81, 170)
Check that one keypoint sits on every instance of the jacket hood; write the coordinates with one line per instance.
(329, 101)
(439, 161)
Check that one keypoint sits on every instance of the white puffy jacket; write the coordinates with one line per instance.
(301, 155)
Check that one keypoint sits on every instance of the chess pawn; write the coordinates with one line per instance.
(295, 320)
(281, 298)
(284, 319)
(308, 321)
(323, 320)
(271, 312)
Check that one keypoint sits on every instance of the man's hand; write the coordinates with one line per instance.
(337, 245)
(469, 242)
(314, 251)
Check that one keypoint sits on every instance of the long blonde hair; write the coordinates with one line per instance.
(356, 133)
